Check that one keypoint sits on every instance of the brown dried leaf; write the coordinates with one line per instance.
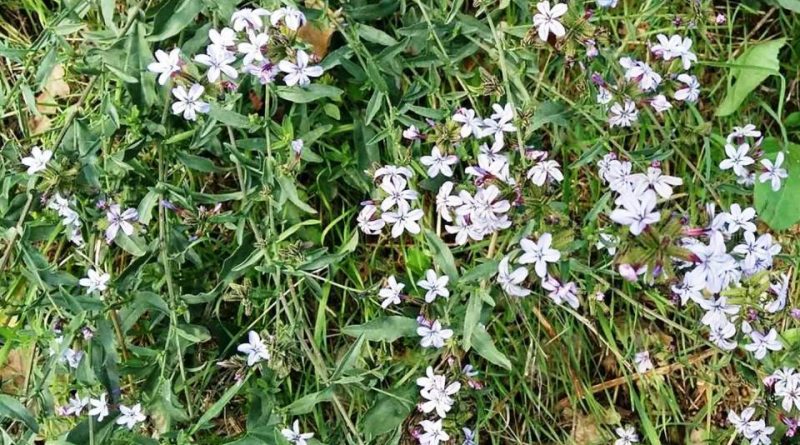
(39, 124)
(56, 86)
(14, 372)
(318, 36)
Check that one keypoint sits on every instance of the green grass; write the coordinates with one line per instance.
(282, 254)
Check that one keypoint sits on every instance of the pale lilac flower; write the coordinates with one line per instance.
(188, 102)
(547, 21)
(636, 212)
(544, 171)
(247, 18)
(660, 103)
(166, 64)
(510, 281)
(764, 343)
(254, 49)
(438, 162)
(367, 221)
(37, 161)
(539, 253)
(689, 93)
(99, 407)
(433, 433)
(130, 416)
(225, 38)
(291, 17)
(391, 293)
(412, 133)
(773, 172)
(603, 96)
(76, 405)
(265, 72)
(255, 349)
(434, 286)
(397, 194)
(119, 220)
(300, 72)
(623, 115)
(737, 159)
(654, 179)
(739, 133)
(445, 201)
(403, 220)
(471, 124)
(294, 435)
(433, 335)
(741, 219)
(641, 73)
(627, 436)
(95, 281)
(643, 362)
(561, 292)
(218, 60)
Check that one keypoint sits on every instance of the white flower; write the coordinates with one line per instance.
(247, 18)
(294, 435)
(412, 133)
(603, 96)
(433, 433)
(691, 288)
(218, 60)
(510, 281)
(539, 253)
(266, 71)
(471, 124)
(391, 293)
(166, 65)
(561, 292)
(781, 291)
(189, 103)
(37, 161)
(737, 159)
(119, 220)
(496, 128)
(130, 416)
(299, 73)
(721, 333)
(433, 335)
(684, 52)
(641, 73)
(438, 162)
(446, 201)
(292, 18)
(437, 393)
(717, 311)
(740, 133)
(691, 92)
(637, 211)
(676, 47)
(368, 224)
(72, 357)
(76, 405)
(740, 421)
(545, 170)
(389, 172)
(741, 219)
(660, 103)
(623, 116)
(790, 394)
(431, 381)
(764, 343)
(654, 179)
(546, 20)
(255, 349)
(225, 38)
(434, 286)
(760, 433)
(772, 172)
(643, 362)
(627, 436)
(398, 194)
(95, 281)
(254, 49)
(99, 407)
(403, 220)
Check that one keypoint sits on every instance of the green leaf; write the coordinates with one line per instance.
(107, 11)
(484, 346)
(290, 192)
(441, 254)
(388, 328)
(131, 244)
(228, 117)
(472, 316)
(198, 163)
(550, 113)
(375, 35)
(309, 94)
(217, 407)
(12, 409)
(305, 404)
(792, 5)
(173, 17)
(781, 209)
(389, 411)
(750, 69)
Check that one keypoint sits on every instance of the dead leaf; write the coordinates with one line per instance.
(585, 431)
(56, 86)
(39, 124)
(14, 372)
(318, 36)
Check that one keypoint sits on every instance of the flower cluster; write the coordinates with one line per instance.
(252, 44)
(129, 416)
(624, 111)
(742, 148)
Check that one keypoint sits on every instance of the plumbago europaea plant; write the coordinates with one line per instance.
(418, 222)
